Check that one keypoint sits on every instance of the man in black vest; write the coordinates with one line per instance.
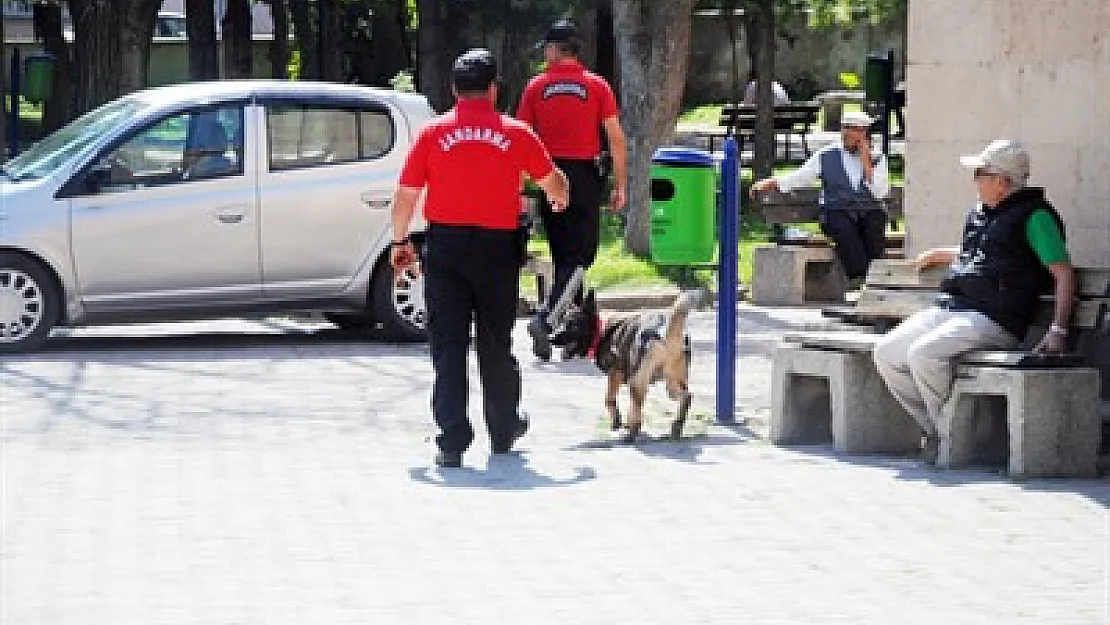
(1012, 252)
(854, 181)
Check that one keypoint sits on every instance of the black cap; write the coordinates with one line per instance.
(475, 70)
(562, 31)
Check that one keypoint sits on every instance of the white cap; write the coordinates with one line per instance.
(856, 119)
(1003, 156)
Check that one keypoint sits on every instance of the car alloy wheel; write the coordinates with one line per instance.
(408, 299)
(22, 306)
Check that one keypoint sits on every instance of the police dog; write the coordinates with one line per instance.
(635, 350)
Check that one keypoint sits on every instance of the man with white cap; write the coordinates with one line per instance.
(1013, 251)
(853, 182)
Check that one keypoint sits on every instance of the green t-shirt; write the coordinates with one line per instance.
(1045, 238)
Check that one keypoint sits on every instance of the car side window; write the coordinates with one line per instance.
(195, 145)
(311, 135)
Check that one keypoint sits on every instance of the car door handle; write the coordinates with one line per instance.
(376, 202)
(230, 215)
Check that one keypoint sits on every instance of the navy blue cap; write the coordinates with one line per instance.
(474, 70)
(562, 31)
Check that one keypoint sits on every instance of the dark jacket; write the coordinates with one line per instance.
(997, 272)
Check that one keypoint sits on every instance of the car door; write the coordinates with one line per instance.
(168, 216)
(325, 192)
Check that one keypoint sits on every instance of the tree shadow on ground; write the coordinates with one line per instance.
(986, 472)
(207, 346)
(504, 472)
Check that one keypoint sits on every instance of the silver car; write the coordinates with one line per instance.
(207, 200)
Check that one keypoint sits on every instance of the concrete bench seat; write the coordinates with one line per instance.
(826, 390)
(1037, 415)
(1040, 416)
(799, 270)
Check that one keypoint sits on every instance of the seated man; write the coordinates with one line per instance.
(205, 155)
(1013, 251)
(853, 181)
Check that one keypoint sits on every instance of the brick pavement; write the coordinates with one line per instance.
(282, 477)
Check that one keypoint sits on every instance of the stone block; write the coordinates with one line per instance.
(795, 274)
(1050, 416)
(1048, 89)
(1050, 32)
(930, 114)
(933, 24)
(824, 395)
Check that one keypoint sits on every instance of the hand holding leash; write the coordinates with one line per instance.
(402, 256)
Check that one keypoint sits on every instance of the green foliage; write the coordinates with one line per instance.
(827, 12)
(850, 80)
(403, 82)
(293, 70)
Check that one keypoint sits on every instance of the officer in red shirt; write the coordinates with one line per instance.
(566, 105)
(468, 162)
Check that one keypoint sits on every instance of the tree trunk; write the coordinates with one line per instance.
(332, 40)
(760, 29)
(237, 40)
(307, 41)
(389, 49)
(435, 56)
(96, 52)
(653, 43)
(138, 21)
(59, 107)
(279, 47)
(200, 25)
(4, 91)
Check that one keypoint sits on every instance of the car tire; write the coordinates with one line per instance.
(400, 309)
(29, 303)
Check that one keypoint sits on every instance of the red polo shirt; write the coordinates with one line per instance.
(566, 105)
(470, 159)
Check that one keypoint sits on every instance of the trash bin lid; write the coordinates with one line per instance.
(683, 157)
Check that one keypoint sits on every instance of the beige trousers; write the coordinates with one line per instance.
(917, 358)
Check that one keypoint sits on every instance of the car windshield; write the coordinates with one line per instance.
(59, 147)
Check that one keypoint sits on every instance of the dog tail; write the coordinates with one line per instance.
(683, 304)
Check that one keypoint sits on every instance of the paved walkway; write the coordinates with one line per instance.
(266, 474)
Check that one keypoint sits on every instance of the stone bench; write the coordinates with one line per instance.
(826, 389)
(1037, 415)
(1040, 417)
(799, 270)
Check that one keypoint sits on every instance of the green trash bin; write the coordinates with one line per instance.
(683, 206)
(38, 77)
(878, 79)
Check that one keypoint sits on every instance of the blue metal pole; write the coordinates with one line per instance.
(728, 284)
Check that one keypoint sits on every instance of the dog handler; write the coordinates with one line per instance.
(469, 162)
(568, 107)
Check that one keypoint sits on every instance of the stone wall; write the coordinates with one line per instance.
(1033, 70)
(806, 60)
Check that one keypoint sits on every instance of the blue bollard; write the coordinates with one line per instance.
(728, 284)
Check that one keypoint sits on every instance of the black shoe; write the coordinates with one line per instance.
(541, 342)
(448, 459)
(520, 430)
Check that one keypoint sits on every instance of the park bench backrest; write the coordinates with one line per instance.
(743, 117)
(801, 205)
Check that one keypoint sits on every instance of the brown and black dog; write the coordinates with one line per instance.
(635, 350)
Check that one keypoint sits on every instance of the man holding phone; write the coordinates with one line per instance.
(854, 181)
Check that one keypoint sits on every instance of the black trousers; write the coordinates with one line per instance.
(472, 275)
(859, 234)
(573, 234)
